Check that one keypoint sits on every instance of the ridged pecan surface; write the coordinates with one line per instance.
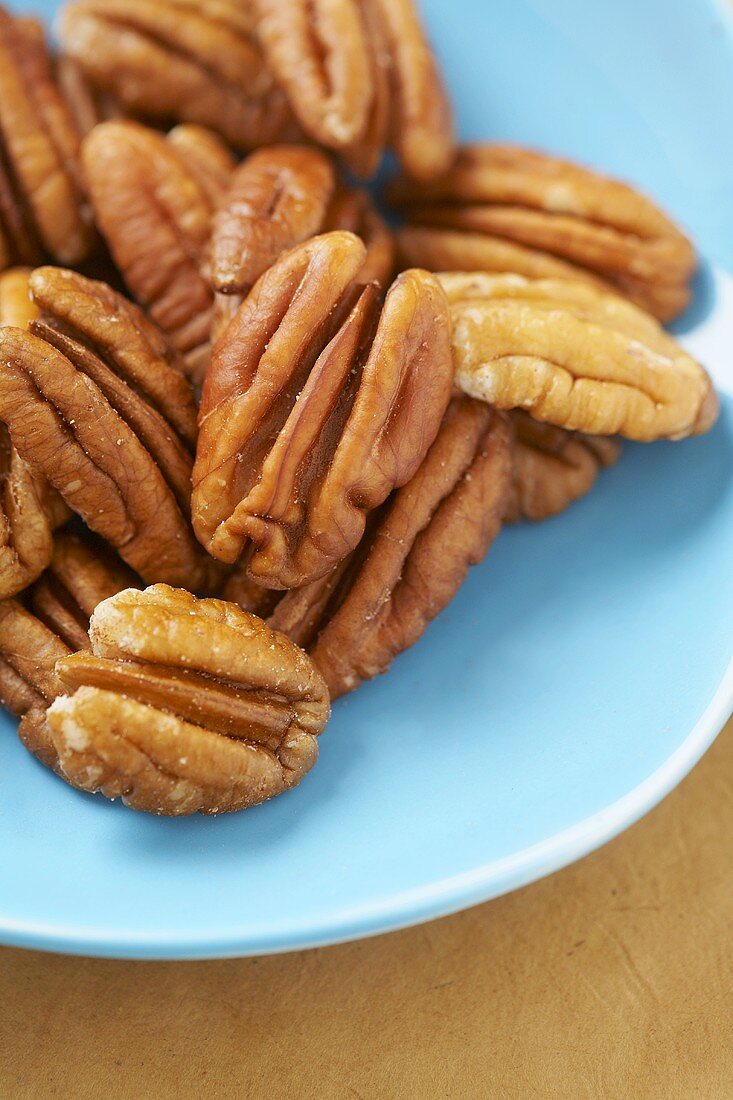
(575, 357)
(186, 705)
(504, 208)
(414, 555)
(318, 403)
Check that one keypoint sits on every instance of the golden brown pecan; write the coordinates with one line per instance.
(316, 406)
(186, 705)
(88, 105)
(28, 682)
(553, 468)
(421, 120)
(179, 61)
(155, 210)
(279, 197)
(42, 208)
(82, 573)
(414, 556)
(30, 509)
(575, 357)
(90, 397)
(549, 210)
(360, 74)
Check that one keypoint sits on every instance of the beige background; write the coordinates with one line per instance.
(610, 979)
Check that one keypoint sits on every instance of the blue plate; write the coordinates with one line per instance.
(581, 671)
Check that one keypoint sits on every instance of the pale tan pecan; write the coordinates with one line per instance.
(316, 406)
(28, 681)
(360, 74)
(575, 357)
(90, 397)
(186, 705)
(30, 509)
(279, 197)
(179, 61)
(81, 574)
(414, 556)
(154, 209)
(548, 210)
(43, 211)
(553, 468)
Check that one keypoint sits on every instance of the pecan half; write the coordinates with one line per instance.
(154, 209)
(249, 595)
(278, 198)
(575, 357)
(360, 74)
(179, 61)
(91, 399)
(30, 509)
(28, 682)
(414, 556)
(186, 705)
(316, 406)
(549, 210)
(553, 468)
(42, 207)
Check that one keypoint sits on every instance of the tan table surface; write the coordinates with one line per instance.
(612, 978)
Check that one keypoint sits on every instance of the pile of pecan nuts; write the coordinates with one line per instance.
(251, 437)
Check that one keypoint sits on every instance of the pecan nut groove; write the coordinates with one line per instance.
(316, 406)
(414, 556)
(186, 705)
(574, 357)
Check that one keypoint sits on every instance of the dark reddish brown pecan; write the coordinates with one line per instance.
(82, 573)
(91, 398)
(30, 509)
(316, 406)
(360, 74)
(28, 682)
(414, 555)
(186, 705)
(503, 208)
(278, 198)
(43, 211)
(179, 61)
(553, 467)
(154, 207)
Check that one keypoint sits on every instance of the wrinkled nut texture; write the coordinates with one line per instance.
(81, 574)
(42, 207)
(538, 210)
(316, 406)
(28, 681)
(186, 705)
(154, 199)
(30, 509)
(278, 198)
(575, 357)
(414, 556)
(553, 468)
(360, 74)
(91, 399)
(179, 61)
